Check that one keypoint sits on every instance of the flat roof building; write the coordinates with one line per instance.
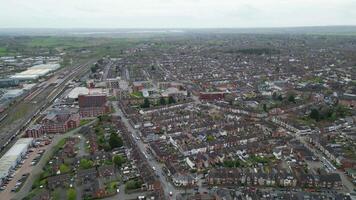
(35, 72)
(11, 158)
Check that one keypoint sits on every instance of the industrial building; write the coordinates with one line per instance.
(36, 72)
(75, 92)
(13, 156)
(10, 94)
(8, 82)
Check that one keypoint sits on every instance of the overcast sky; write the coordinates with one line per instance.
(174, 13)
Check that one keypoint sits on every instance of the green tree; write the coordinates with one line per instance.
(274, 95)
(64, 168)
(291, 98)
(162, 101)
(314, 114)
(210, 138)
(118, 160)
(85, 164)
(171, 100)
(265, 107)
(280, 97)
(133, 184)
(146, 103)
(115, 141)
(71, 194)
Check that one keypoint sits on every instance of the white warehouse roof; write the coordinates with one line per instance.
(75, 92)
(36, 71)
(11, 157)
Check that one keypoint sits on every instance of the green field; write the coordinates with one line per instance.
(3, 51)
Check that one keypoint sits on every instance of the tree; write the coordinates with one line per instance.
(146, 103)
(162, 101)
(291, 98)
(265, 107)
(118, 160)
(314, 114)
(115, 141)
(210, 138)
(280, 98)
(133, 184)
(85, 164)
(64, 168)
(274, 95)
(171, 100)
(71, 194)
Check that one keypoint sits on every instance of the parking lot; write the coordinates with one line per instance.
(20, 174)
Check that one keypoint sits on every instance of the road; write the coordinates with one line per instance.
(168, 187)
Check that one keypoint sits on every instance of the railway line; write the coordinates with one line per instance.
(19, 116)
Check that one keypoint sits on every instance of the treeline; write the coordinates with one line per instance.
(328, 113)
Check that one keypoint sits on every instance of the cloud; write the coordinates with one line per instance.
(175, 13)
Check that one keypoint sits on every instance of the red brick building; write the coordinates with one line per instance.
(60, 122)
(93, 105)
(35, 131)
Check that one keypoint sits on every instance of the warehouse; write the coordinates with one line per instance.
(13, 156)
(36, 72)
(75, 92)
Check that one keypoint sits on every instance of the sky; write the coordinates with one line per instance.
(175, 13)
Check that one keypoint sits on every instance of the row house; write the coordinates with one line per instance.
(327, 181)
(245, 177)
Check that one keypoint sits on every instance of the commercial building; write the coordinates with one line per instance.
(13, 156)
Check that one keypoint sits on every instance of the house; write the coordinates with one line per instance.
(331, 181)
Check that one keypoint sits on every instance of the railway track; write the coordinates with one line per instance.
(11, 129)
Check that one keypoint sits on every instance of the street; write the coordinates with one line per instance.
(168, 187)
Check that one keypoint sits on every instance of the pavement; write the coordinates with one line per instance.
(168, 187)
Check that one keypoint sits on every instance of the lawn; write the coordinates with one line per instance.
(3, 51)
(136, 95)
